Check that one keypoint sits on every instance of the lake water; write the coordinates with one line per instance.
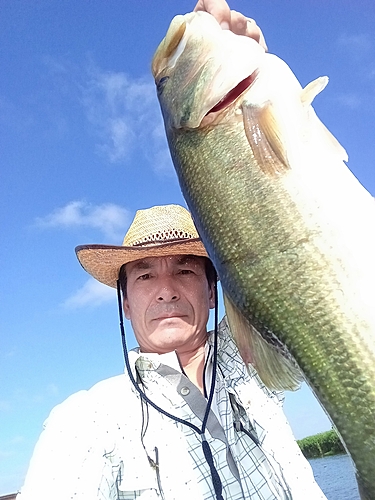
(335, 476)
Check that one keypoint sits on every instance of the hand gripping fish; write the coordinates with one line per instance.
(289, 228)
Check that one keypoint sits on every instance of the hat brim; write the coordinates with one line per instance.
(104, 262)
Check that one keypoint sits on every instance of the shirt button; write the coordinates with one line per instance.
(184, 391)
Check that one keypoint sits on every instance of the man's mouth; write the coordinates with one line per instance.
(169, 316)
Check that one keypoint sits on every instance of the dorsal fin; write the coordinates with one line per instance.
(312, 89)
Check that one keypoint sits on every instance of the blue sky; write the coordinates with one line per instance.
(82, 147)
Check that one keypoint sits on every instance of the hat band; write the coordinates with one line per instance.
(158, 242)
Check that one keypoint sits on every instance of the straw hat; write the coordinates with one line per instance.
(154, 232)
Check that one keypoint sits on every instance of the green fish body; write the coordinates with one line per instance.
(288, 227)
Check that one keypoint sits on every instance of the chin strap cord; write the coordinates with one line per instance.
(216, 481)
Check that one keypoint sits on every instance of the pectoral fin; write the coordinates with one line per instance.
(265, 138)
(277, 371)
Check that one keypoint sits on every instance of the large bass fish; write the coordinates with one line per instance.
(289, 228)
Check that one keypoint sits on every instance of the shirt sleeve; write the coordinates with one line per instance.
(70, 459)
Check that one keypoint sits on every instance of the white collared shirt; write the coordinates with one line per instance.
(107, 444)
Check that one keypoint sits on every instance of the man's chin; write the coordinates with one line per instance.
(167, 325)
(171, 336)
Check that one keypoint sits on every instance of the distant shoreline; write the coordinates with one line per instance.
(321, 445)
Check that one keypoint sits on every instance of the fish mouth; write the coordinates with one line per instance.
(234, 94)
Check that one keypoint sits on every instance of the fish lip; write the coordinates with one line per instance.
(234, 93)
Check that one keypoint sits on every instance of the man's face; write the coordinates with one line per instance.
(168, 301)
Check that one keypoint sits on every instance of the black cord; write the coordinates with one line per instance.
(216, 481)
(214, 367)
(131, 376)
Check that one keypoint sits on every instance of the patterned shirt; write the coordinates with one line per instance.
(109, 444)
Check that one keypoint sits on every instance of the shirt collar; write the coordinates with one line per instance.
(229, 358)
(151, 361)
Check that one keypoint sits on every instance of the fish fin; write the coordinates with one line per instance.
(265, 138)
(275, 369)
(325, 135)
(312, 89)
(308, 94)
(334, 143)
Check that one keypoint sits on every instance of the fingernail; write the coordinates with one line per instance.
(224, 25)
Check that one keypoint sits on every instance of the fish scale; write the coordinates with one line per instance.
(288, 227)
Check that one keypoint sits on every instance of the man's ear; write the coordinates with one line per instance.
(126, 308)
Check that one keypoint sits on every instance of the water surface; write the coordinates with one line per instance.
(335, 476)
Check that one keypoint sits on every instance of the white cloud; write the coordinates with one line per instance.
(92, 293)
(125, 115)
(17, 440)
(52, 389)
(122, 112)
(357, 45)
(5, 406)
(4, 454)
(360, 49)
(9, 354)
(109, 218)
(351, 101)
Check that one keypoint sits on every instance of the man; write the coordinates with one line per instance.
(188, 420)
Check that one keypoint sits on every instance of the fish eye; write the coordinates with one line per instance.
(160, 84)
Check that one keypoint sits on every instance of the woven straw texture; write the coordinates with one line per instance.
(155, 232)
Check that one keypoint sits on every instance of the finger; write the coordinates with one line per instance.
(217, 8)
(238, 23)
(199, 6)
(253, 31)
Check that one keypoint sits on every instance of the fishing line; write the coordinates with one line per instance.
(205, 446)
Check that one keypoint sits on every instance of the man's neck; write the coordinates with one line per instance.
(193, 365)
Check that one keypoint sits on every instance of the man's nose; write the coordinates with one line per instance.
(167, 291)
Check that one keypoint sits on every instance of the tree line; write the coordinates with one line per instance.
(321, 445)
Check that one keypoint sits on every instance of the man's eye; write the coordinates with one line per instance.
(144, 277)
(185, 271)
